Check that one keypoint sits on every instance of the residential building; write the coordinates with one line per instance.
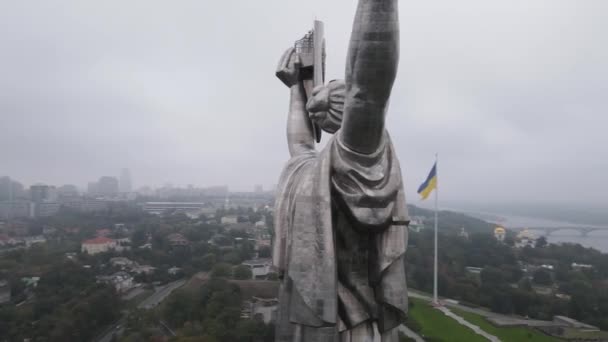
(46, 209)
(30, 281)
(177, 239)
(230, 219)
(6, 240)
(220, 240)
(122, 262)
(71, 230)
(261, 243)
(416, 224)
(525, 238)
(17, 228)
(121, 281)
(143, 269)
(159, 208)
(45, 200)
(16, 209)
(579, 267)
(106, 186)
(125, 241)
(33, 240)
(245, 227)
(43, 193)
(105, 232)
(86, 205)
(146, 246)
(98, 245)
(474, 270)
(174, 270)
(463, 233)
(121, 228)
(48, 230)
(259, 267)
(10, 189)
(261, 308)
(260, 224)
(67, 191)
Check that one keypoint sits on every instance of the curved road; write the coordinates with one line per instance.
(151, 302)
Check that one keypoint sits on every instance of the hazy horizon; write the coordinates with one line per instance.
(510, 94)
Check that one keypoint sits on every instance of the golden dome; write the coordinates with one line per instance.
(499, 230)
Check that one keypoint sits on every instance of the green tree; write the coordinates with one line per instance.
(541, 242)
(542, 277)
(221, 270)
(232, 258)
(264, 252)
(242, 272)
(208, 262)
(492, 276)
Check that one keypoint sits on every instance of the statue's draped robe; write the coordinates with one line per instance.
(340, 238)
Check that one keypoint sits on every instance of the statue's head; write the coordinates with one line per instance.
(326, 105)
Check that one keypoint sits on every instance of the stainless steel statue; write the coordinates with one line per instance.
(341, 218)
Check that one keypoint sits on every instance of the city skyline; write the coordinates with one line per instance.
(510, 95)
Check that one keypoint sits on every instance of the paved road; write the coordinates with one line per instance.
(160, 294)
(115, 328)
(133, 293)
(149, 303)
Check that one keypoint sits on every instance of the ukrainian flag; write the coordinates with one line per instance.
(429, 184)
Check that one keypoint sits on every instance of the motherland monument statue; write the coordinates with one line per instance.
(341, 217)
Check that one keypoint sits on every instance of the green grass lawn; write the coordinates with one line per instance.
(505, 334)
(438, 327)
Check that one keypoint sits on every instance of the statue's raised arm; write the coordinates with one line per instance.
(371, 67)
(299, 128)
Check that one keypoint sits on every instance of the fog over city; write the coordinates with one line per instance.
(511, 94)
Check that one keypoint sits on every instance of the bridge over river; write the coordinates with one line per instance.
(583, 230)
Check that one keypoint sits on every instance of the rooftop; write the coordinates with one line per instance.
(98, 241)
(258, 261)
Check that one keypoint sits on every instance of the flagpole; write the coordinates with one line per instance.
(435, 299)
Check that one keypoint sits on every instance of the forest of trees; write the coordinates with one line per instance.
(503, 286)
(69, 306)
(210, 313)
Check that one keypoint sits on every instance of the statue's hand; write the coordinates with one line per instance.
(288, 69)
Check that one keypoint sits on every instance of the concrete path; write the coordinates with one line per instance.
(467, 324)
(409, 333)
(496, 318)
(403, 329)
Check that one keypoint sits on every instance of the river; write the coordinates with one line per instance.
(595, 239)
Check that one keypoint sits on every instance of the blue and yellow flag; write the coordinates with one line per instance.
(429, 184)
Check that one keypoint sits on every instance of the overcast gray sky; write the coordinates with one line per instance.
(512, 94)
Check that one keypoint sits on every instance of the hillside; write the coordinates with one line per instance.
(451, 221)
